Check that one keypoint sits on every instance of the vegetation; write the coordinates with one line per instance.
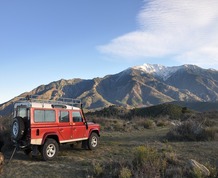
(146, 162)
(170, 110)
(192, 130)
(153, 159)
(150, 161)
(167, 109)
(133, 143)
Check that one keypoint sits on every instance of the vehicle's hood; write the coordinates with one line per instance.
(90, 123)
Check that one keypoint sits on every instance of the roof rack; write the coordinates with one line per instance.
(60, 101)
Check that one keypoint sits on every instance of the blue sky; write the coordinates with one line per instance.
(47, 40)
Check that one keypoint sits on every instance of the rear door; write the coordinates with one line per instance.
(79, 127)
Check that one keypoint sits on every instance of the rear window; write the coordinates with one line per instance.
(21, 112)
(44, 115)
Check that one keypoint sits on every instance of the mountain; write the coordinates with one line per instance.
(138, 86)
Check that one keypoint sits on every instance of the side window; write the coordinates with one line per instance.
(77, 116)
(49, 116)
(44, 115)
(63, 116)
(39, 116)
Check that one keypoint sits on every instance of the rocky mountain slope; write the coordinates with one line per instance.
(137, 86)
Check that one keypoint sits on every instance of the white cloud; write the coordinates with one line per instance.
(185, 29)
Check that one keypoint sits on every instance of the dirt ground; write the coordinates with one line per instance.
(77, 163)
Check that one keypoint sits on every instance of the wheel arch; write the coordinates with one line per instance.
(52, 135)
(94, 131)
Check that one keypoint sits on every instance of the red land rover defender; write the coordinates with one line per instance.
(43, 125)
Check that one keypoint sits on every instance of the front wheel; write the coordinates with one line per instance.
(50, 149)
(93, 141)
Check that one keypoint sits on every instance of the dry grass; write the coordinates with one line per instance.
(115, 153)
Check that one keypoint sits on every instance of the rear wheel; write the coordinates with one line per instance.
(50, 149)
(18, 128)
(93, 141)
(27, 151)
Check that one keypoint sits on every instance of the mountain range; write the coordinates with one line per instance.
(139, 86)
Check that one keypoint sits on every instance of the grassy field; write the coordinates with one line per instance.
(115, 148)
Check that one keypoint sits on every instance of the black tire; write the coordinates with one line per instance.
(50, 149)
(18, 128)
(27, 151)
(93, 141)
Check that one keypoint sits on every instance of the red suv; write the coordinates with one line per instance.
(43, 125)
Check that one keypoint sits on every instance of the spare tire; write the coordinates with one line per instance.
(18, 128)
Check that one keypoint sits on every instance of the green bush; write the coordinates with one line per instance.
(196, 173)
(125, 173)
(213, 170)
(148, 162)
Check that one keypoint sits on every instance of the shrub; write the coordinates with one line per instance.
(110, 124)
(125, 173)
(149, 124)
(174, 171)
(213, 170)
(97, 169)
(209, 133)
(118, 126)
(198, 173)
(191, 131)
(148, 162)
(143, 123)
(5, 135)
(162, 122)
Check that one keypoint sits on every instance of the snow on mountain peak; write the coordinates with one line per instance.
(158, 70)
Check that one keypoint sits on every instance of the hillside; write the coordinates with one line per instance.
(172, 111)
(198, 106)
(139, 86)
